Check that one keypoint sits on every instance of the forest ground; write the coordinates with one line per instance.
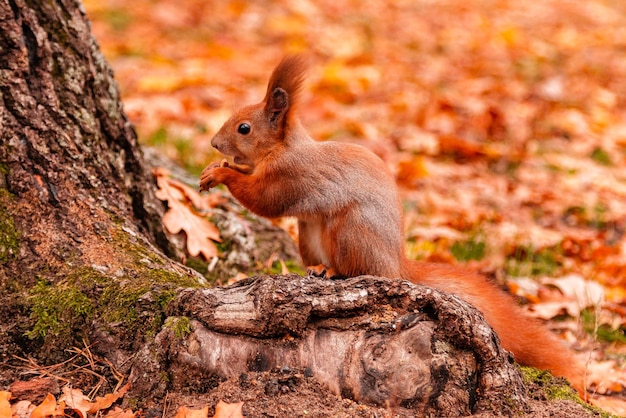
(504, 122)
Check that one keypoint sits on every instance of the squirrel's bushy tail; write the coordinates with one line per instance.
(531, 343)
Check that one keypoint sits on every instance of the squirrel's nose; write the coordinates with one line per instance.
(214, 144)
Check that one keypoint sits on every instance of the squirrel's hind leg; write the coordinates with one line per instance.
(321, 270)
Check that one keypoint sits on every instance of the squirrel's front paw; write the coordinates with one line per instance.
(208, 177)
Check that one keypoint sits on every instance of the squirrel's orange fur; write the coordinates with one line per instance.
(349, 213)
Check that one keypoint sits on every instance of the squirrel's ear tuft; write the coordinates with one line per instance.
(285, 85)
(277, 107)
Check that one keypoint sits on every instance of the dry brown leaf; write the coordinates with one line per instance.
(75, 399)
(604, 377)
(199, 231)
(409, 172)
(108, 400)
(5, 405)
(180, 217)
(525, 287)
(184, 412)
(22, 409)
(566, 295)
(200, 202)
(455, 145)
(228, 410)
(118, 412)
(613, 405)
(48, 408)
(585, 293)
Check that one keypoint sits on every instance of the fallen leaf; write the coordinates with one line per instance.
(604, 377)
(22, 409)
(525, 287)
(613, 405)
(585, 293)
(566, 295)
(118, 412)
(409, 172)
(5, 405)
(108, 400)
(199, 201)
(75, 399)
(184, 412)
(455, 145)
(47, 408)
(229, 410)
(181, 217)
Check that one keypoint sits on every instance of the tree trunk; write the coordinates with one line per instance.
(80, 225)
(82, 261)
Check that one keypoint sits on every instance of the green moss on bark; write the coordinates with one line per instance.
(131, 303)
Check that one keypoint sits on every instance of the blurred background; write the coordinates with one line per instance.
(503, 121)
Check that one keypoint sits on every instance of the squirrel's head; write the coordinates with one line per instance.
(254, 131)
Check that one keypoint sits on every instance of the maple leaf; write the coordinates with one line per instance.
(228, 410)
(181, 217)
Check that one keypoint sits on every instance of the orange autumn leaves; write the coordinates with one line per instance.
(183, 216)
(504, 122)
(74, 403)
(222, 410)
(500, 120)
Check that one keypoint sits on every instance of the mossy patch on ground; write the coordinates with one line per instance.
(543, 386)
(554, 388)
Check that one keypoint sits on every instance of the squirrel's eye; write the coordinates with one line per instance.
(244, 129)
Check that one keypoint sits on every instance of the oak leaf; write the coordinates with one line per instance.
(182, 217)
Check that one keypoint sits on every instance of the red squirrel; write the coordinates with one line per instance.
(350, 220)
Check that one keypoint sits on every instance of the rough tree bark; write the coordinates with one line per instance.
(82, 258)
(77, 207)
(380, 341)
